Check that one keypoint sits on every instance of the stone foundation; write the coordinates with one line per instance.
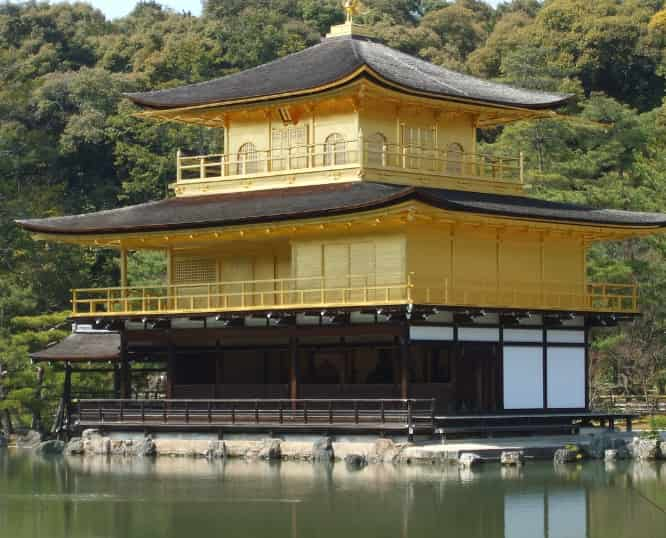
(362, 449)
(96, 443)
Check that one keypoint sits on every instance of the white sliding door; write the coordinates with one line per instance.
(523, 377)
(566, 377)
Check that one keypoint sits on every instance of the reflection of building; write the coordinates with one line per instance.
(551, 513)
(349, 243)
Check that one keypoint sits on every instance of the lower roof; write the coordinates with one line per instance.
(82, 347)
(306, 202)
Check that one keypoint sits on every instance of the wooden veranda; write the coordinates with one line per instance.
(379, 416)
(408, 416)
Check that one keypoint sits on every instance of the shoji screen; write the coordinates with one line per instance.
(523, 377)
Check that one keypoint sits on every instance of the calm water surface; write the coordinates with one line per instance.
(77, 498)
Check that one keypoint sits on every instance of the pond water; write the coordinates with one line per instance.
(89, 498)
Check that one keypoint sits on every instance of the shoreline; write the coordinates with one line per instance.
(594, 443)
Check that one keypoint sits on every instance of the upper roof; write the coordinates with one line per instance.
(306, 202)
(334, 60)
(82, 347)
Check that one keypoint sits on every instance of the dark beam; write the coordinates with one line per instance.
(160, 338)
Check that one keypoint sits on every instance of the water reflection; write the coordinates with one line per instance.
(116, 497)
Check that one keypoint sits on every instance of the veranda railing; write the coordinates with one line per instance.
(352, 291)
(343, 413)
(350, 154)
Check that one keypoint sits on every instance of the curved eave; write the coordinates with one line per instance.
(396, 199)
(364, 72)
(35, 225)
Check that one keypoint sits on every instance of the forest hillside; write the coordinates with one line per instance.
(69, 143)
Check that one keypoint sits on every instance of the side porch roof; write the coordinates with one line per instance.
(82, 347)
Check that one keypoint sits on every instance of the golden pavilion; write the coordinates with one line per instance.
(348, 261)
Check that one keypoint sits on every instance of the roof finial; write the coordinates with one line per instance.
(349, 27)
(352, 7)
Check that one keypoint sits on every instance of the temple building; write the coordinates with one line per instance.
(348, 260)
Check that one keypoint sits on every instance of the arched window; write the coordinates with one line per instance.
(377, 148)
(454, 159)
(248, 159)
(335, 150)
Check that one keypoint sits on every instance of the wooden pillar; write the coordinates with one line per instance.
(125, 369)
(36, 414)
(346, 370)
(404, 366)
(171, 367)
(123, 267)
(116, 380)
(544, 367)
(293, 369)
(67, 396)
(5, 417)
(265, 362)
(219, 370)
(587, 371)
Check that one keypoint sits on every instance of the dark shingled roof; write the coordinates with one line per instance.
(335, 59)
(82, 347)
(304, 202)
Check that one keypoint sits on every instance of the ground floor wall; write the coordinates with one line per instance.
(466, 368)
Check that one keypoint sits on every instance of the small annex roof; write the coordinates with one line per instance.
(293, 203)
(82, 347)
(336, 61)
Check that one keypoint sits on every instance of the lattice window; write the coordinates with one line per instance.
(194, 270)
(418, 138)
(377, 147)
(454, 159)
(294, 137)
(335, 150)
(419, 145)
(248, 159)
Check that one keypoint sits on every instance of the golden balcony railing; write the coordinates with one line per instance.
(351, 291)
(546, 295)
(242, 296)
(357, 153)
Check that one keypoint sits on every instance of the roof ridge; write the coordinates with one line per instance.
(396, 53)
(357, 55)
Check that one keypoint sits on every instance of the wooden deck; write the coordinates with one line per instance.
(400, 416)
(510, 423)
(395, 415)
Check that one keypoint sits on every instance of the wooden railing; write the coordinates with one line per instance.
(550, 295)
(350, 154)
(641, 404)
(248, 295)
(340, 413)
(351, 291)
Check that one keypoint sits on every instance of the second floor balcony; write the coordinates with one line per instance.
(354, 291)
(448, 167)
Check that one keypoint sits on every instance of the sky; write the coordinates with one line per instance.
(119, 8)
